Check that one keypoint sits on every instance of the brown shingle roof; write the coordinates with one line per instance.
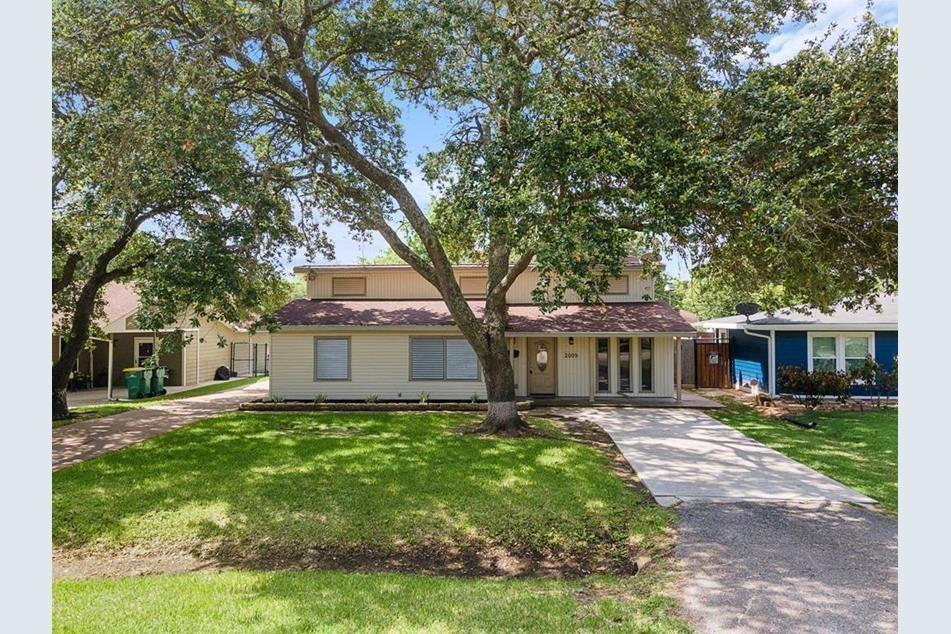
(119, 299)
(613, 317)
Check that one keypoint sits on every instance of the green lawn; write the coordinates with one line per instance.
(348, 480)
(350, 602)
(356, 483)
(87, 412)
(859, 449)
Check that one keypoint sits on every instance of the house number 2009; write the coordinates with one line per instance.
(571, 355)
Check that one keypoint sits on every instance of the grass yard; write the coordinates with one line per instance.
(88, 412)
(352, 481)
(859, 449)
(264, 493)
(349, 602)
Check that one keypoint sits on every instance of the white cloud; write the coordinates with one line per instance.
(844, 14)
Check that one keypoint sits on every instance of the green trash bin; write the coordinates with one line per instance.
(135, 382)
(147, 374)
(158, 380)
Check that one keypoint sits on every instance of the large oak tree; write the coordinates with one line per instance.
(575, 124)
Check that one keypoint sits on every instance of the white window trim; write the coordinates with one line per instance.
(135, 348)
(839, 345)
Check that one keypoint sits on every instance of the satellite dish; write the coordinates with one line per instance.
(747, 308)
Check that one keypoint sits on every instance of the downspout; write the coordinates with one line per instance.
(770, 356)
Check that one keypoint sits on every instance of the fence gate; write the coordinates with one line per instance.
(249, 359)
(713, 364)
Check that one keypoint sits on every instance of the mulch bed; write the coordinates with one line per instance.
(361, 406)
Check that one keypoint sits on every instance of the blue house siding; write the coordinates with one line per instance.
(886, 347)
(750, 358)
(792, 349)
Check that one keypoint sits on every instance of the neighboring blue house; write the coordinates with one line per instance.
(811, 340)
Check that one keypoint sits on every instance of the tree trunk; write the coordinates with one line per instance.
(78, 336)
(502, 417)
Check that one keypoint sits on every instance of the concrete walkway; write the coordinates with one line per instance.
(97, 396)
(766, 544)
(88, 439)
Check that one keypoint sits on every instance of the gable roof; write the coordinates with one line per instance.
(119, 299)
(627, 317)
(839, 318)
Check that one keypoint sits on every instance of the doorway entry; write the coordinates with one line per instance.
(541, 365)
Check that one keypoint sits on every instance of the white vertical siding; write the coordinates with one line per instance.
(574, 372)
(407, 284)
(520, 364)
(380, 365)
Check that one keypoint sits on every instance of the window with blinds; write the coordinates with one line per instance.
(474, 285)
(618, 285)
(349, 286)
(331, 359)
(442, 359)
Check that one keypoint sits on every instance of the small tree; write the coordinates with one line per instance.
(888, 379)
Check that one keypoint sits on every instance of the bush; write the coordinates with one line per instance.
(319, 398)
(423, 398)
(373, 398)
(810, 388)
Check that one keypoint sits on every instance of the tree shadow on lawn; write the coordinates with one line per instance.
(336, 601)
(359, 491)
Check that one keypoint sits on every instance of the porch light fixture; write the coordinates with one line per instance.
(571, 341)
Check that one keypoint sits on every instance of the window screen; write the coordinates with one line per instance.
(437, 359)
(461, 361)
(332, 359)
(618, 285)
(473, 285)
(349, 286)
(427, 360)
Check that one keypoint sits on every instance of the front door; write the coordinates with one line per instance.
(541, 366)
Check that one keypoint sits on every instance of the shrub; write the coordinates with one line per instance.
(809, 388)
(474, 398)
(319, 398)
(372, 398)
(889, 380)
(423, 398)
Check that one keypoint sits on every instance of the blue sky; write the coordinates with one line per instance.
(423, 131)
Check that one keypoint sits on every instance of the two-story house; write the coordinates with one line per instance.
(384, 331)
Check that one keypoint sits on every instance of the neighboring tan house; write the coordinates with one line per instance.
(384, 331)
(839, 340)
(125, 345)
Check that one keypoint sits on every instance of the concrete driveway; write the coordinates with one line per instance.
(88, 439)
(766, 544)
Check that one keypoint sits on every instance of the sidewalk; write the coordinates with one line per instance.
(88, 439)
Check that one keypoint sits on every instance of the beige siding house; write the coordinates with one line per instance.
(122, 344)
(384, 331)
